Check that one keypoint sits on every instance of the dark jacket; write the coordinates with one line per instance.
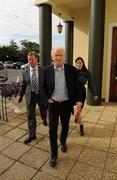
(84, 77)
(26, 86)
(74, 89)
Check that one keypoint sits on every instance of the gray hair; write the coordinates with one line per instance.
(60, 48)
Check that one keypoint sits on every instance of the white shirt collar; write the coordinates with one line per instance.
(59, 68)
(36, 68)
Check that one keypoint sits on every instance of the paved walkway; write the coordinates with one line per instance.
(92, 157)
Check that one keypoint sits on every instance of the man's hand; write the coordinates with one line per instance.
(50, 101)
(20, 99)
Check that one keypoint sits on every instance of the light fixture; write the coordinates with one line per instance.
(59, 26)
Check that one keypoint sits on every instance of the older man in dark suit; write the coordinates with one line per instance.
(62, 91)
(32, 88)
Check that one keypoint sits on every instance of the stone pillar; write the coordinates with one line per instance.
(69, 42)
(96, 43)
(45, 33)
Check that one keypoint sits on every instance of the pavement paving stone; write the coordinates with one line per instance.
(106, 124)
(5, 142)
(44, 144)
(90, 157)
(111, 163)
(41, 129)
(93, 157)
(16, 150)
(113, 145)
(4, 128)
(15, 121)
(99, 143)
(75, 137)
(35, 157)
(5, 162)
(24, 126)
(15, 133)
(43, 176)
(18, 171)
(83, 171)
(109, 176)
(101, 132)
(62, 169)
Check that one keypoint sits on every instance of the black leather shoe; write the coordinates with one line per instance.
(64, 148)
(29, 139)
(44, 122)
(53, 162)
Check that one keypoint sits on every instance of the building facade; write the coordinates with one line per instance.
(90, 32)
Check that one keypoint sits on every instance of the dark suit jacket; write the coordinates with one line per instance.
(26, 86)
(74, 89)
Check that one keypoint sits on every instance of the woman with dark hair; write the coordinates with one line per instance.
(84, 76)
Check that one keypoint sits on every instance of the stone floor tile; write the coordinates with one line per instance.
(64, 165)
(76, 138)
(18, 171)
(88, 128)
(99, 143)
(38, 139)
(44, 144)
(106, 124)
(35, 158)
(115, 131)
(85, 172)
(110, 113)
(5, 128)
(111, 163)
(15, 121)
(43, 176)
(73, 151)
(4, 142)
(113, 145)
(106, 117)
(97, 108)
(41, 129)
(93, 157)
(15, 133)
(109, 176)
(92, 115)
(5, 162)
(16, 150)
(89, 120)
(23, 116)
(110, 107)
(24, 126)
(101, 132)
(12, 113)
(85, 154)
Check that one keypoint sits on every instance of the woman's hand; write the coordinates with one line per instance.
(79, 104)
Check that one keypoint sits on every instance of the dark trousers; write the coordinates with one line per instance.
(31, 113)
(56, 110)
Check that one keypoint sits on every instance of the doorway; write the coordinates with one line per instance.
(113, 73)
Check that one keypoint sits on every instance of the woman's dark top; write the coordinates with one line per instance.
(83, 78)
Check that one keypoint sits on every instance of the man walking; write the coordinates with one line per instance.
(62, 93)
(31, 86)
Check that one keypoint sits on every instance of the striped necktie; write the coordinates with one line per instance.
(34, 81)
